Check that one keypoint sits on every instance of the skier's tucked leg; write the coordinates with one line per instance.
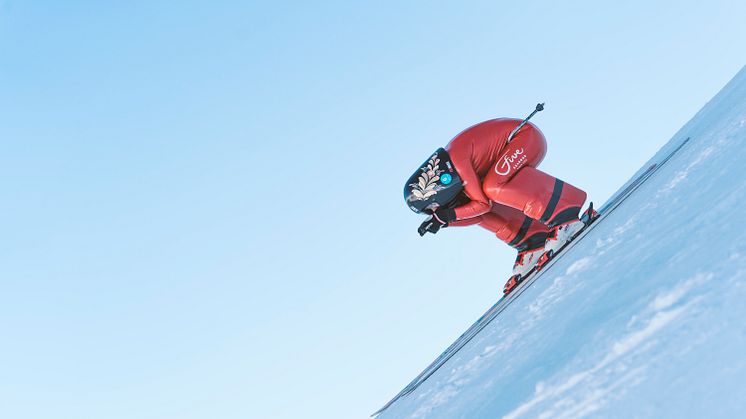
(539, 196)
(514, 228)
(523, 233)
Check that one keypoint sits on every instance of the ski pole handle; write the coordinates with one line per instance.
(539, 108)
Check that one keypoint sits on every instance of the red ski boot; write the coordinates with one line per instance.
(562, 235)
(523, 266)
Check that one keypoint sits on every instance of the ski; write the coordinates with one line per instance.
(613, 203)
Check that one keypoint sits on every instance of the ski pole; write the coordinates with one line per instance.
(539, 108)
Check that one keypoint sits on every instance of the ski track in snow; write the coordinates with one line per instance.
(643, 318)
(682, 174)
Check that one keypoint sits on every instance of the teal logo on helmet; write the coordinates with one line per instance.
(446, 179)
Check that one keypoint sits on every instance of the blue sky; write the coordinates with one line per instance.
(202, 211)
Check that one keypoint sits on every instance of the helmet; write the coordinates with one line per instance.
(435, 184)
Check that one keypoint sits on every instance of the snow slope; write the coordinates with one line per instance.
(645, 318)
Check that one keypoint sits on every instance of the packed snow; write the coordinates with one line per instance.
(645, 317)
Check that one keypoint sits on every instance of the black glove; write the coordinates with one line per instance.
(438, 220)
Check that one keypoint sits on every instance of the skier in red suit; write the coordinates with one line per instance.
(482, 178)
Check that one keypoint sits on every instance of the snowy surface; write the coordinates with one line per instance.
(646, 317)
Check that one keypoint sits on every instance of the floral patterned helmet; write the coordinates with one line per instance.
(435, 184)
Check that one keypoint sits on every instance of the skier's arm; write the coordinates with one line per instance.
(479, 203)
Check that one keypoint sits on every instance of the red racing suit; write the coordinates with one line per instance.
(508, 195)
